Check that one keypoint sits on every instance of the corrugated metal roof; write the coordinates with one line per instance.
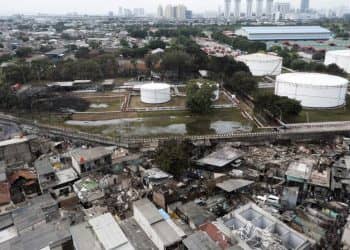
(221, 158)
(90, 154)
(149, 211)
(231, 185)
(109, 233)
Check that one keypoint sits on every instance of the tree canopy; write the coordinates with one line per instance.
(177, 62)
(199, 98)
(24, 52)
(241, 82)
(174, 157)
(278, 106)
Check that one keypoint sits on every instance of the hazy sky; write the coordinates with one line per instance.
(103, 6)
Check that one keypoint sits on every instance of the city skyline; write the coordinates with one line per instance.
(89, 6)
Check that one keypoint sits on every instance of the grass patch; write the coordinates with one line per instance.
(176, 101)
(223, 99)
(331, 115)
(264, 91)
(326, 115)
(113, 103)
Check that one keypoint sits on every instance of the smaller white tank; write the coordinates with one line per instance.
(262, 64)
(216, 92)
(155, 93)
(339, 57)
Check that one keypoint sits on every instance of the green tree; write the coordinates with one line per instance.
(82, 52)
(24, 52)
(199, 98)
(319, 56)
(8, 99)
(177, 62)
(95, 44)
(151, 60)
(174, 157)
(241, 82)
(156, 43)
(279, 106)
(124, 43)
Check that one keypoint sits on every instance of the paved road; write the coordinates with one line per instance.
(8, 130)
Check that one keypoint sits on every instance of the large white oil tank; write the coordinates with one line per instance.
(154, 93)
(262, 64)
(313, 90)
(339, 57)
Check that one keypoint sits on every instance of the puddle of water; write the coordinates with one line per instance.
(99, 106)
(168, 125)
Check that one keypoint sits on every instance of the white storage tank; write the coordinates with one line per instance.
(262, 64)
(216, 92)
(154, 93)
(313, 90)
(339, 57)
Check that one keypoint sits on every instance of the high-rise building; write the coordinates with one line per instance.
(282, 7)
(269, 6)
(304, 5)
(120, 11)
(160, 13)
(237, 9)
(180, 12)
(227, 11)
(249, 8)
(169, 12)
(189, 14)
(259, 8)
(138, 12)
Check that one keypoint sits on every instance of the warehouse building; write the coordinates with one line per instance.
(274, 33)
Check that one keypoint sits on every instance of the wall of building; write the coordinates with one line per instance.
(147, 228)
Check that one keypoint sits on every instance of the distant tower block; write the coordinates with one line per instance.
(249, 8)
(259, 7)
(269, 5)
(227, 9)
(237, 9)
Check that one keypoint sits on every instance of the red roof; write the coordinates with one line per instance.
(5, 196)
(216, 235)
(24, 173)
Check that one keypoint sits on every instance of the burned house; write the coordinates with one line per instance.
(54, 176)
(15, 151)
(192, 214)
(155, 177)
(34, 225)
(257, 228)
(340, 181)
(86, 160)
(23, 182)
(221, 160)
(200, 240)
(5, 196)
(299, 172)
(88, 190)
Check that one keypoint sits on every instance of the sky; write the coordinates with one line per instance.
(150, 6)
